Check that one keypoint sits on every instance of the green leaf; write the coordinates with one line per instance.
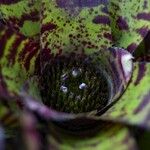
(82, 27)
(130, 22)
(22, 16)
(75, 26)
(134, 106)
(17, 59)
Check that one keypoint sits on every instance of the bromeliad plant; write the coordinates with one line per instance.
(67, 77)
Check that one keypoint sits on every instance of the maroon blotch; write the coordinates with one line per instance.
(32, 53)
(108, 36)
(13, 50)
(144, 16)
(101, 20)
(45, 55)
(3, 40)
(37, 65)
(29, 46)
(141, 73)
(18, 22)
(143, 104)
(143, 31)
(143, 58)
(105, 10)
(34, 16)
(80, 3)
(9, 1)
(131, 48)
(3, 86)
(147, 43)
(122, 24)
(48, 27)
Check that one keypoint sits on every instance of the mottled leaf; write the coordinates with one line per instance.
(81, 26)
(22, 16)
(130, 22)
(117, 65)
(17, 60)
(134, 106)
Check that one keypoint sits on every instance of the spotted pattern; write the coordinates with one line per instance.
(75, 26)
(134, 108)
(81, 31)
(18, 55)
(22, 16)
(129, 22)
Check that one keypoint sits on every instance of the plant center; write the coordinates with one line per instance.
(74, 84)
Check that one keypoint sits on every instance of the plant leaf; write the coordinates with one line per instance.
(17, 60)
(75, 26)
(134, 106)
(142, 53)
(100, 139)
(130, 22)
(22, 16)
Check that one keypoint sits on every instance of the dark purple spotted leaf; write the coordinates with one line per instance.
(130, 22)
(52, 95)
(134, 106)
(75, 39)
(22, 16)
(16, 50)
(17, 60)
(75, 26)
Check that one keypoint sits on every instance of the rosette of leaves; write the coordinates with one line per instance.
(67, 79)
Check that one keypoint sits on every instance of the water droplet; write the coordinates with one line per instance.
(64, 89)
(76, 72)
(82, 86)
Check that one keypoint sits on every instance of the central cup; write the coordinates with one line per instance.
(74, 90)
(75, 83)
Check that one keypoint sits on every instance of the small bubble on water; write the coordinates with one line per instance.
(82, 86)
(64, 89)
(76, 72)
